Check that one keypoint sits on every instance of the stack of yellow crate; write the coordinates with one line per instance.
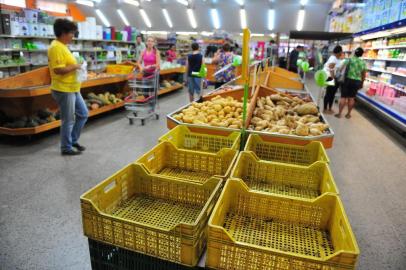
(160, 204)
(280, 209)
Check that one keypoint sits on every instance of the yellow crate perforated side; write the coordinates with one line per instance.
(284, 179)
(150, 214)
(167, 160)
(272, 232)
(286, 153)
(201, 140)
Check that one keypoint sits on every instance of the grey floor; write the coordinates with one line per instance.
(40, 219)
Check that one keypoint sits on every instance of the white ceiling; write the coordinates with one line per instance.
(257, 14)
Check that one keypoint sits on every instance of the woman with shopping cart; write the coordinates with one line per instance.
(145, 85)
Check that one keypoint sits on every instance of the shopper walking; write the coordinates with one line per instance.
(353, 81)
(331, 67)
(65, 87)
(150, 60)
(223, 58)
(171, 54)
(194, 64)
(140, 47)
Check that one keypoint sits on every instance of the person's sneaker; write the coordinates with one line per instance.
(70, 153)
(81, 148)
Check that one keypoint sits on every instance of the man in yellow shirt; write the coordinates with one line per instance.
(66, 88)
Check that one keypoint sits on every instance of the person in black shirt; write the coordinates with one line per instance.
(294, 56)
(194, 63)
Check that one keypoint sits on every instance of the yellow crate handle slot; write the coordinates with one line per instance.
(110, 186)
(151, 157)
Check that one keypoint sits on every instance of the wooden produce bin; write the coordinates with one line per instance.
(283, 79)
(262, 91)
(25, 94)
(237, 94)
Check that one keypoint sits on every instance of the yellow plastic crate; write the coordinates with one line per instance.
(153, 215)
(119, 69)
(184, 137)
(286, 153)
(167, 160)
(256, 231)
(284, 179)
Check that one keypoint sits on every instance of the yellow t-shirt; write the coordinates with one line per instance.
(59, 56)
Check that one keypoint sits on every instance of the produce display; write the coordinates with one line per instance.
(217, 112)
(284, 114)
(43, 116)
(94, 101)
(93, 75)
(167, 84)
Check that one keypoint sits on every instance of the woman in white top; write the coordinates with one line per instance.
(331, 67)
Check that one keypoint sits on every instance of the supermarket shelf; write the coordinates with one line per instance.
(54, 124)
(12, 50)
(11, 66)
(387, 47)
(385, 71)
(384, 59)
(170, 89)
(45, 90)
(388, 84)
(76, 39)
(396, 118)
(172, 70)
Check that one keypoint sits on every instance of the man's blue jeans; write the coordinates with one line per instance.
(74, 114)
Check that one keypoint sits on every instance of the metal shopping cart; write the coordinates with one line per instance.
(143, 100)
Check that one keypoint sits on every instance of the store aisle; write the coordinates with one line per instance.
(40, 218)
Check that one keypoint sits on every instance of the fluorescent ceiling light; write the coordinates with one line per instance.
(123, 17)
(186, 33)
(158, 32)
(303, 2)
(167, 18)
(144, 32)
(132, 2)
(243, 18)
(192, 18)
(271, 19)
(257, 35)
(272, 35)
(183, 2)
(206, 34)
(103, 18)
(300, 20)
(145, 18)
(85, 2)
(240, 2)
(215, 18)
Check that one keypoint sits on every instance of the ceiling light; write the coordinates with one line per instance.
(123, 17)
(206, 34)
(183, 2)
(192, 18)
(243, 18)
(157, 32)
(132, 2)
(271, 19)
(215, 18)
(85, 2)
(102, 18)
(186, 33)
(300, 20)
(145, 18)
(167, 18)
(273, 35)
(240, 2)
(257, 35)
(303, 2)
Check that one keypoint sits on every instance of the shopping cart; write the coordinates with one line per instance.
(143, 100)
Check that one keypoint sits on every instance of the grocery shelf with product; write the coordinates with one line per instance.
(124, 146)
